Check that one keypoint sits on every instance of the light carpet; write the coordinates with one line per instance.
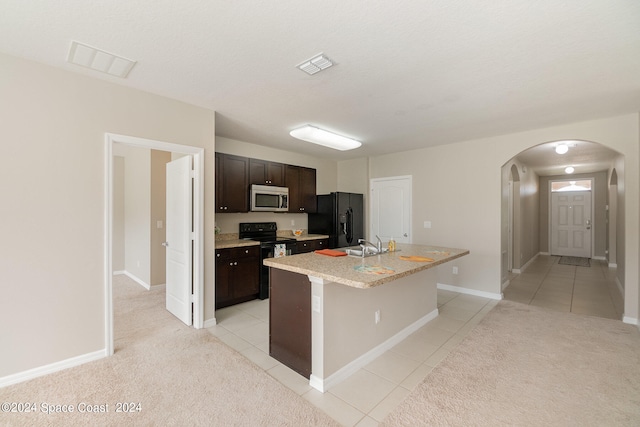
(529, 366)
(178, 375)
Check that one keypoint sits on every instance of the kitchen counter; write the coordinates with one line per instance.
(235, 243)
(343, 269)
(311, 237)
(330, 316)
(231, 240)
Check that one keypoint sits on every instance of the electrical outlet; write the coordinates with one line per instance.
(427, 224)
(293, 222)
(315, 302)
(455, 270)
(377, 316)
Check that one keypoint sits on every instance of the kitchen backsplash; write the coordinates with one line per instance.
(229, 222)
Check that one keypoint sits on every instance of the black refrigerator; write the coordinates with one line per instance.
(341, 217)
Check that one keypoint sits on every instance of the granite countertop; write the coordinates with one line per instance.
(235, 243)
(311, 237)
(342, 269)
(231, 240)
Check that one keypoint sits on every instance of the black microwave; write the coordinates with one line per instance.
(266, 198)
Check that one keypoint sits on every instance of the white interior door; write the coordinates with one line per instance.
(179, 239)
(391, 209)
(571, 223)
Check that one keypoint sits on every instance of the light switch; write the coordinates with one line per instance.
(158, 224)
(315, 302)
(427, 224)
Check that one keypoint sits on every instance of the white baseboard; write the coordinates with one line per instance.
(346, 371)
(527, 264)
(49, 369)
(599, 258)
(630, 320)
(468, 291)
(210, 322)
(613, 265)
(118, 272)
(137, 280)
(545, 253)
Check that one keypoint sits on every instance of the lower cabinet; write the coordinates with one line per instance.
(237, 275)
(305, 246)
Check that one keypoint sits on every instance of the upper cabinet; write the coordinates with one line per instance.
(302, 189)
(232, 183)
(236, 174)
(264, 172)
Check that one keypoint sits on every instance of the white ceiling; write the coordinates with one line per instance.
(409, 74)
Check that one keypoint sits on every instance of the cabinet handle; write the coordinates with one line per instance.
(246, 251)
(230, 263)
(235, 263)
(218, 255)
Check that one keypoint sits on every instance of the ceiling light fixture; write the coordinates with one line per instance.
(315, 64)
(325, 138)
(569, 169)
(562, 148)
(99, 60)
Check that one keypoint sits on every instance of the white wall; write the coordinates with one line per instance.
(458, 188)
(137, 209)
(52, 257)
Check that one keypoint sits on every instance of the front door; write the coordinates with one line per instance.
(179, 239)
(391, 209)
(571, 223)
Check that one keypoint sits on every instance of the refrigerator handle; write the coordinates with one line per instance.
(349, 226)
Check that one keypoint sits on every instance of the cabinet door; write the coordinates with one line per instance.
(232, 174)
(246, 277)
(308, 190)
(304, 246)
(263, 172)
(275, 174)
(292, 180)
(224, 269)
(320, 244)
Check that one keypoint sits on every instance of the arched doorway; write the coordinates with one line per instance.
(526, 208)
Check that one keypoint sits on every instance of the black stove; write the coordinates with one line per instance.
(270, 246)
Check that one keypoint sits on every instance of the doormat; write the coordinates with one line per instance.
(574, 260)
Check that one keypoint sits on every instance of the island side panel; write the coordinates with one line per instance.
(349, 329)
(290, 320)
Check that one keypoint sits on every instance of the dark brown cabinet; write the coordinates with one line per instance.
(305, 246)
(263, 172)
(232, 183)
(237, 275)
(302, 189)
(290, 320)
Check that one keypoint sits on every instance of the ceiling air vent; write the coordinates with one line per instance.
(99, 60)
(315, 64)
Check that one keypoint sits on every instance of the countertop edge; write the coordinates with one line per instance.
(272, 262)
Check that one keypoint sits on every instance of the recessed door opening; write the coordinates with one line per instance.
(184, 227)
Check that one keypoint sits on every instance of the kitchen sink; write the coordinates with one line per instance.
(360, 252)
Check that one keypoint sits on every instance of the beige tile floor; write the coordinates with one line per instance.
(366, 397)
(583, 290)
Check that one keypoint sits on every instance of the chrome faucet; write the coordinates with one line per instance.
(363, 244)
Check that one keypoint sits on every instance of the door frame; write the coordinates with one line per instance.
(198, 225)
(593, 200)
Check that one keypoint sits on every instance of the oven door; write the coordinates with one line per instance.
(267, 251)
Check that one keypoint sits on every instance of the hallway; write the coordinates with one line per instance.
(584, 290)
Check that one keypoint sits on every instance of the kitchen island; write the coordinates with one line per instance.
(330, 316)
